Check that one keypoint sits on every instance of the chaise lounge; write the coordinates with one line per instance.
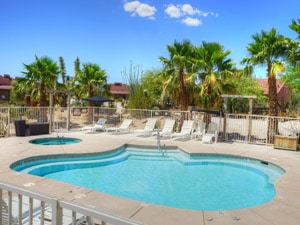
(99, 126)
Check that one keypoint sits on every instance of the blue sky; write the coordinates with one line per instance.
(116, 33)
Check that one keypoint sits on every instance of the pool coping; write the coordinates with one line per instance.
(283, 209)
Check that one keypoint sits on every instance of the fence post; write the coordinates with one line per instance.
(51, 110)
(57, 214)
(250, 119)
(225, 120)
(1, 207)
(249, 128)
(8, 121)
(68, 110)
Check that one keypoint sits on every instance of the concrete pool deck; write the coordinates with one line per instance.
(283, 209)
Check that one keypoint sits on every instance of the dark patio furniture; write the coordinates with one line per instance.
(37, 128)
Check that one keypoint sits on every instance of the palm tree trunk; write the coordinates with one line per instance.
(273, 111)
(43, 104)
(183, 92)
(43, 97)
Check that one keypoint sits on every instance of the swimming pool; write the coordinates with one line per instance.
(171, 178)
(55, 141)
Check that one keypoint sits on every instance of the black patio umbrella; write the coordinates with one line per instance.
(98, 99)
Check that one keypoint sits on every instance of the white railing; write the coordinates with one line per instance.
(258, 129)
(19, 206)
(76, 117)
(234, 127)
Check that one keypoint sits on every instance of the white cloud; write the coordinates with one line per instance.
(188, 9)
(176, 11)
(173, 11)
(189, 14)
(192, 21)
(140, 9)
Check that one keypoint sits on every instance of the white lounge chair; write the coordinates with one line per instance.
(148, 129)
(186, 130)
(99, 126)
(211, 134)
(200, 131)
(167, 129)
(124, 127)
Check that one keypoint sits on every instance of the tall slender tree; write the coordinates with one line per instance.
(89, 79)
(294, 53)
(76, 67)
(42, 76)
(62, 69)
(295, 26)
(178, 69)
(214, 69)
(269, 49)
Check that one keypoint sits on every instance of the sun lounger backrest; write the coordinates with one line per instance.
(212, 128)
(101, 121)
(187, 126)
(126, 123)
(150, 124)
(169, 125)
(201, 126)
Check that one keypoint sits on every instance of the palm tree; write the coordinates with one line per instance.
(91, 78)
(292, 71)
(294, 53)
(214, 70)
(295, 26)
(23, 92)
(269, 49)
(177, 70)
(40, 77)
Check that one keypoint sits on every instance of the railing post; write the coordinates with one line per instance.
(1, 206)
(56, 213)
(225, 120)
(68, 110)
(51, 110)
(30, 211)
(20, 205)
(8, 121)
(249, 128)
(42, 216)
(74, 217)
(9, 211)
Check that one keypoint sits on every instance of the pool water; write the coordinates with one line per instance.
(171, 178)
(55, 141)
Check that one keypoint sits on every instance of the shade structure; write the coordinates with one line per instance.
(98, 100)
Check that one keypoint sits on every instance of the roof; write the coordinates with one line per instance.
(119, 89)
(5, 79)
(5, 82)
(264, 84)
